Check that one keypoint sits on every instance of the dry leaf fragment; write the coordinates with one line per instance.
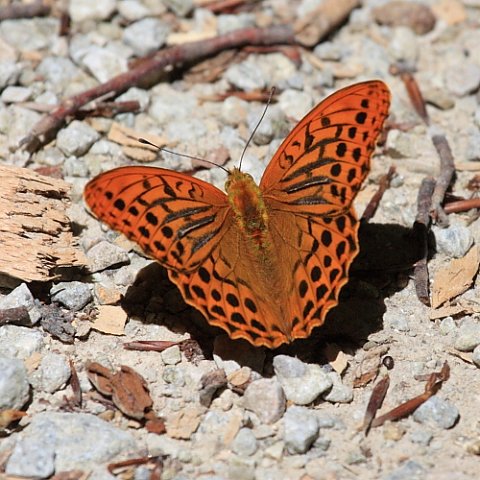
(210, 383)
(9, 416)
(369, 366)
(111, 319)
(336, 357)
(127, 388)
(375, 402)
(455, 278)
(434, 383)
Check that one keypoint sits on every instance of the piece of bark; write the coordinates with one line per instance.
(35, 231)
(24, 10)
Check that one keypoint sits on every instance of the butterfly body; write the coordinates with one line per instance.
(264, 262)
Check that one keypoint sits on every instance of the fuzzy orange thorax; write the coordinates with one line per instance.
(246, 199)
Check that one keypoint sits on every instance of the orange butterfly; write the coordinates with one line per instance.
(264, 262)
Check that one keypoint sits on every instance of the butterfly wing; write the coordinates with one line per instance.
(309, 187)
(175, 218)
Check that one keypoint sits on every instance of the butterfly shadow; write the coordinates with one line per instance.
(387, 254)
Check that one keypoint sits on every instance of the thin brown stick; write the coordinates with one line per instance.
(148, 71)
(24, 10)
(422, 227)
(447, 171)
(462, 205)
(447, 163)
(372, 206)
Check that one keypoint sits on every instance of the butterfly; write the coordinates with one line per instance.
(263, 262)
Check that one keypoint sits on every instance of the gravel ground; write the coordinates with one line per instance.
(292, 413)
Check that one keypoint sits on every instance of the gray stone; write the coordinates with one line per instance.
(180, 7)
(273, 125)
(72, 295)
(266, 399)
(472, 152)
(190, 131)
(52, 374)
(447, 326)
(463, 78)
(246, 76)
(231, 355)
(19, 342)
(14, 386)
(329, 51)
(172, 355)
(146, 36)
(397, 321)
(104, 255)
(137, 94)
(228, 23)
(67, 441)
(403, 44)
(132, 10)
(476, 356)
(104, 64)
(9, 72)
(241, 469)
(22, 297)
(169, 104)
(422, 437)
(468, 335)
(244, 443)
(410, 470)
(58, 72)
(454, 241)
(174, 376)
(301, 382)
(13, 94)
(81, 10)
(30, 34)
(76, 138)
(339, 393)
(295, 104)
(300, 429)
(437, 412)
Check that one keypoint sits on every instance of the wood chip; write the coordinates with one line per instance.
(455, 278)
(111, 319)
(35, 231)
(451, 311)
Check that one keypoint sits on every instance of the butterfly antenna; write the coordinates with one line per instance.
(191, 157)
(272, 91)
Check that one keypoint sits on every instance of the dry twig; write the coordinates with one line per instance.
(372, 206)
(24, 10)
(148, 71)
(422, 227)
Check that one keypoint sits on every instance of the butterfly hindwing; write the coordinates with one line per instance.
(175, 218)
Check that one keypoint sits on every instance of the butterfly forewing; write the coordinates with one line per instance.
(322, 163)
(174, 218)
